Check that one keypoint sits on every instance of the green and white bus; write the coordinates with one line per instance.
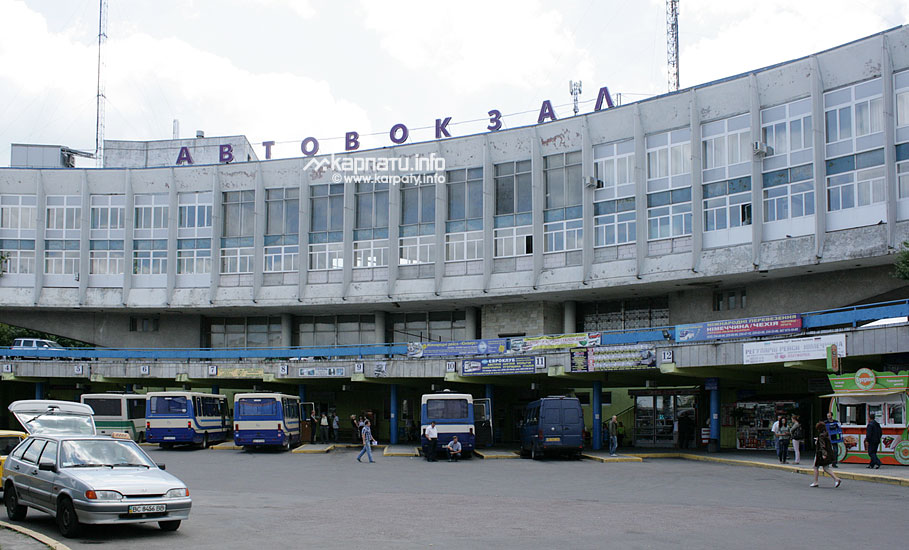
(118, 412)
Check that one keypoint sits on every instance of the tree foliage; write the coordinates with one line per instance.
(902, 262)
(8, 333)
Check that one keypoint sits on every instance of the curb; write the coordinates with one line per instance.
(225, 447)
(414, 452)
(494, 455)
(606, 459)
(43, 539)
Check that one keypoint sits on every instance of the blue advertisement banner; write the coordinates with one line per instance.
(447, 349)
(501, 365)
(739, 328)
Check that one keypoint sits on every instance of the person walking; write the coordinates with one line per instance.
(313, 427)
(432, 435)
(368, 442)
(872, 440)
(784, 435)
(823, 455)
(835, 432)
(323, 428)
(797, 432)
(355, 429)
(335, 427)
(613, 435)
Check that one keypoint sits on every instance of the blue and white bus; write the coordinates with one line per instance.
(267, 420)
(453, 415)
(185, 417)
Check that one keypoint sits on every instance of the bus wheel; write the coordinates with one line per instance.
(204, 441)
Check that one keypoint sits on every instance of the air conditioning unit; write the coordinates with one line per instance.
(761, 149)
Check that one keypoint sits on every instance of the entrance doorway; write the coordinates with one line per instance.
(664, 418)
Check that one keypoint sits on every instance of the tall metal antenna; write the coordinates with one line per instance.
(574, 88)
(672, 43)
(99, 113)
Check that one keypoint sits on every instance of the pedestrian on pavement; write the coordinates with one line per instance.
(432, 435)
(686, 430)
(872, 440)
(453, 449)
(798, 434)
(313, 426)
(823, 454)
(775, 429)
(784, 435)
(335, 427)
(613, 435)
(835, 432)
(368, 442)
(323, 428)
(355, 428)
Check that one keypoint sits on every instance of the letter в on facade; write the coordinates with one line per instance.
(351, 141)
(226, 153)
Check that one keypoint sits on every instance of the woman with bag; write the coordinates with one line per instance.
(823, 455)
(797, 433)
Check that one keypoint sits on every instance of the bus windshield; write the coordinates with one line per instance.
(248, 407)
(167, 405)
(448, 409)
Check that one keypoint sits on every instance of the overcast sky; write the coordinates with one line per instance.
(283, 70)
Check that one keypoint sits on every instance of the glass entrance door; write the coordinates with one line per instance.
(656, 417)
(643, 421)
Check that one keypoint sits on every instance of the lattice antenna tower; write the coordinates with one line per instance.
(672, 43)
(100, 98)
(574, 88)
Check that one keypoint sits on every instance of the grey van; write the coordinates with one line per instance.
(552, 425)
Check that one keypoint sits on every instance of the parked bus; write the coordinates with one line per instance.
(453, 415)
(118, 412)
(174, 417)
(267, 420)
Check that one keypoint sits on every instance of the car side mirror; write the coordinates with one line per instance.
(47, 466)
(161, 466)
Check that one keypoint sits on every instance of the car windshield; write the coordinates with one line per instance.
(269, 408)
(82, 453)
(56, 423)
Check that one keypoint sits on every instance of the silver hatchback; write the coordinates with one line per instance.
(89, 479)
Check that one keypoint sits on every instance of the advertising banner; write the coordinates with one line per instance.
(739, 328)
(448, 349)
(628, 357)
(578, 360)
(323, 372)
(580, 340)
(500, 365)
(795, 349)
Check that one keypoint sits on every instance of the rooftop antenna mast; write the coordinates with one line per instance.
(100, 98)
(574, 88)
(672, 43)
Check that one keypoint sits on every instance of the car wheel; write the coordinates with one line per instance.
(172, 525)
(67, 522)
(167, 445)
(534, 453)
(14, 510)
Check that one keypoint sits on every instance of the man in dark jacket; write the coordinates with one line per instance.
(872, 440)
(836, 436)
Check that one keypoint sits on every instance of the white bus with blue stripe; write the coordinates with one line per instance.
(453, 415)
(267, 420)
(186, 417)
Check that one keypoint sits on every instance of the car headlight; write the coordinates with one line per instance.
(103, 495)
(177, 493)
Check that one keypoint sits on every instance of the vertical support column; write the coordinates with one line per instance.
(890, 181)
(697, 176)
(259, 234)
(84, 238)
(347, 244)
(393, 415)
(441, 202)
(394, 230)
(301, 391)
(714, 445)
(380, 327)
(492, 428)
(215, 389)
(597, 404)
(489, 203)
(129, 388)
(538, 198)
(216, 227)
(570, 317)
(305, 214)
(757, 177)
(40, 390)
(173, 222)
(587, 202)
(470, 320)
(820, 153)
(40, 227)
(129, 224)
(287, 321)
(640, 191)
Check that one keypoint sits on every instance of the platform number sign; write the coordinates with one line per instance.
(449, 366)
(213, 370)
(145, 369)
(358, 368)
(79, 369)
(539, 362)
(7, 368)
(666, 356)
(283, 370)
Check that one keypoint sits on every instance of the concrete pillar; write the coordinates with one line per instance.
(570, 317)
(287, 325)
(301, 391)
(380, 327)
(492, 428)
(39, 390)
(129, 388)
(714, 445)
(471, 317)
(215, 389)
(393, 425)
(597, 404)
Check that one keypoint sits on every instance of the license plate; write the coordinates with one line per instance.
(553, 439)
(169, 437)
(147, 508)
(258, 441)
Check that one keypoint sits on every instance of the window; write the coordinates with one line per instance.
(614, 222)
(17, 212)
(64, 212)
(281, 258)
(513, 241)
(464, 235)
(373, 253)
(193, 256)
(15, 260)
(371, 231)
(788, 193)
(106, 258)
(236, 260)
(725, 142)
(852, 414)
(464, 246)
(326, 256)
(195, 210)
(564, 190)
(902, 108)
(726, 300)
(417, 250)
(151, 211)
(282, 211)
(669, 184)
(852, 113)
(325, 246)
(902, 176)
(239, 213)
(107, 211)
(513, 234)
(418, 210)
(243, 332)
(330, 330)
(149, 257)
(446, 409)
(727, 204)
(143, 324)
(852, 189)
(669, 214)
(439, 326)
(61, 257)
(896, 414)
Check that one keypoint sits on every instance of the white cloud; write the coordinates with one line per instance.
(474, 45)
(303, 8)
